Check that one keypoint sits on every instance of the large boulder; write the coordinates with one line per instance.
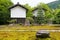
(42, 34)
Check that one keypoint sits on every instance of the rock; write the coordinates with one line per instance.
(42, 34)
(27, 23)
(11, 24)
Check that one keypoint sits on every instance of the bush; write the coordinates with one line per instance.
(31, 20)
(12, 21)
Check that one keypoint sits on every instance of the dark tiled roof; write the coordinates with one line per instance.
(17, 5)
(35, 9)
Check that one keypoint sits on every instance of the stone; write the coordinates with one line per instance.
(42, 34)
(27, 23)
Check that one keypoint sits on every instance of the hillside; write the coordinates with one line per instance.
(54, 4)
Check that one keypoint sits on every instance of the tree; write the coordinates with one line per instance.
(4, 12)
(29, 13)
(56, 16)
(44, 13)
(40, 17)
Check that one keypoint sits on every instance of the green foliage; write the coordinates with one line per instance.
(50, 14)
(31, 20)
(57, 16)
(40, 17)
(44, 13)
(12, 21)
(4, 12)
(29, 12)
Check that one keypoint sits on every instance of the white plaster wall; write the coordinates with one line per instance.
(18, 12)
(35, 13)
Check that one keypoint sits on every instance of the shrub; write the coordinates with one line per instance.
(12, 21)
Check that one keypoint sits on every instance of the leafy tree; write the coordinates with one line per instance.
(4, 12)
(29, 13)
(40, 17)
(56, 16)
(44, 13)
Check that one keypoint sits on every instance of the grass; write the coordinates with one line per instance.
(18, 27)
(26, 35)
